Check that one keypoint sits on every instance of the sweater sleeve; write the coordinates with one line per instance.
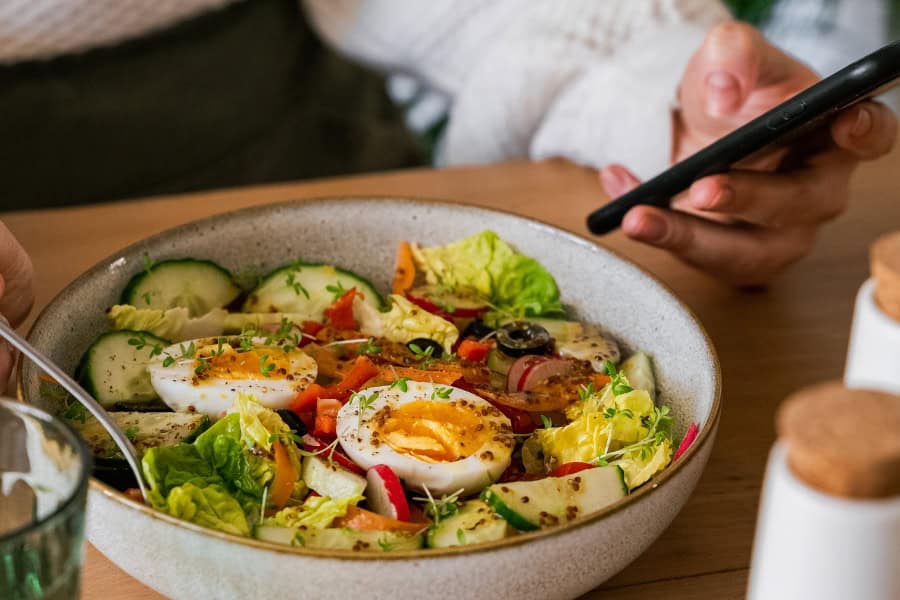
(590, 80)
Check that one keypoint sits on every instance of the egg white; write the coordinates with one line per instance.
(180, 388)
(472, 473)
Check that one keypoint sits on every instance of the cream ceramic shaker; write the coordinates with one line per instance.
(829, 522)
(873, 358)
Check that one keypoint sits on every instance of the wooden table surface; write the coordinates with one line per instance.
(770, 342)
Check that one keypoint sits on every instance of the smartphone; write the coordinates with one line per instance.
(793, 119)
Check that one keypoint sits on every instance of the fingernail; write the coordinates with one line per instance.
(704, 200)
(724, 93)
(612, 181)
(650, 228)
(863, 123)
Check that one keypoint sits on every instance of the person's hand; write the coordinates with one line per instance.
(16, 293)
(746, 226)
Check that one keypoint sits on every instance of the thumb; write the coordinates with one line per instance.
(729, 64)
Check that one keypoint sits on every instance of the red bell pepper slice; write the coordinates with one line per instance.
(473, 350)
(340, 313)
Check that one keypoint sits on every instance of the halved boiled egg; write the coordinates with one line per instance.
(437, 436)
(204, 375)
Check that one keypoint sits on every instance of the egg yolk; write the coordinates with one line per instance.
(433, 431)
(270, 363)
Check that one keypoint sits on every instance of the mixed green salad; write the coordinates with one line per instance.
(306, 409)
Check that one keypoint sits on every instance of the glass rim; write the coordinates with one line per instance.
(81, 450)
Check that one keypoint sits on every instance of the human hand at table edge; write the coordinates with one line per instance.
(748, 225)
(16, 293)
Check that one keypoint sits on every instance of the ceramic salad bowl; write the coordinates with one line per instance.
(183, 560)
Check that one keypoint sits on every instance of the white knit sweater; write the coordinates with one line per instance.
(591, 80)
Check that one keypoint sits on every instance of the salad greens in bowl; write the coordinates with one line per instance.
(353, 393)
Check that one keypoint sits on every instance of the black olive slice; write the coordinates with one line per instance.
(521, 338)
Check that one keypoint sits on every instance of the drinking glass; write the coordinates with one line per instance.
(44, 472)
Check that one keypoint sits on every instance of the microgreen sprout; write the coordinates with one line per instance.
(202, 365)
(385, 544)
(461, 537)
(546, 422)
(442, 393)
(296, 285)
(441, 509)
(363, 404)
(619, 386)
(329, 449)
(337, 289)
(146, 296)
(74, 410)
(265, 367)
(148, 264)
(659, 430)
(285, 437)
(369, 347)
(400, 383)
(131, 433)
(585, 392)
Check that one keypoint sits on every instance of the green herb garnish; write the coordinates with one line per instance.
(619, 386)
(546, 422)
(400, 383)
(337, 289)
(296, 285)
(442, 393)
(384, 544)
(369, 347)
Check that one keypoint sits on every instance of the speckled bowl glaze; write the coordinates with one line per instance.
(185, 561)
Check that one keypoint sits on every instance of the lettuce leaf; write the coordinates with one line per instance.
(210, 506)
(174, 324)
(641, 464)
(487, 265)
(404, 322)
(169, 467)
(594, 421)
(318, 512)
(259, 424)
(222, 447)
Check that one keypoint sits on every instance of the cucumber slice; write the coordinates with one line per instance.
(638, 371)
(197, 285)
(145, 429)
(530, 505)
(114, 368)
(331, 480)
(473, 524)
(307, 289)
(340, 539)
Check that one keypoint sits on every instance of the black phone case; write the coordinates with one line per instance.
(787, 121)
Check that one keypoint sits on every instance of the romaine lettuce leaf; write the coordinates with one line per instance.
(318, 512)
(259, 424)
(222, 448)
(174, 324)
(404, 322)
(168, 467)
(210, 506)
(487, 265)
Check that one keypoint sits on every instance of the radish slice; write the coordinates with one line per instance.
(385, 493)
(446, 304)
(689, 438)
(519, 368)
(542, 371)
(314, 444)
